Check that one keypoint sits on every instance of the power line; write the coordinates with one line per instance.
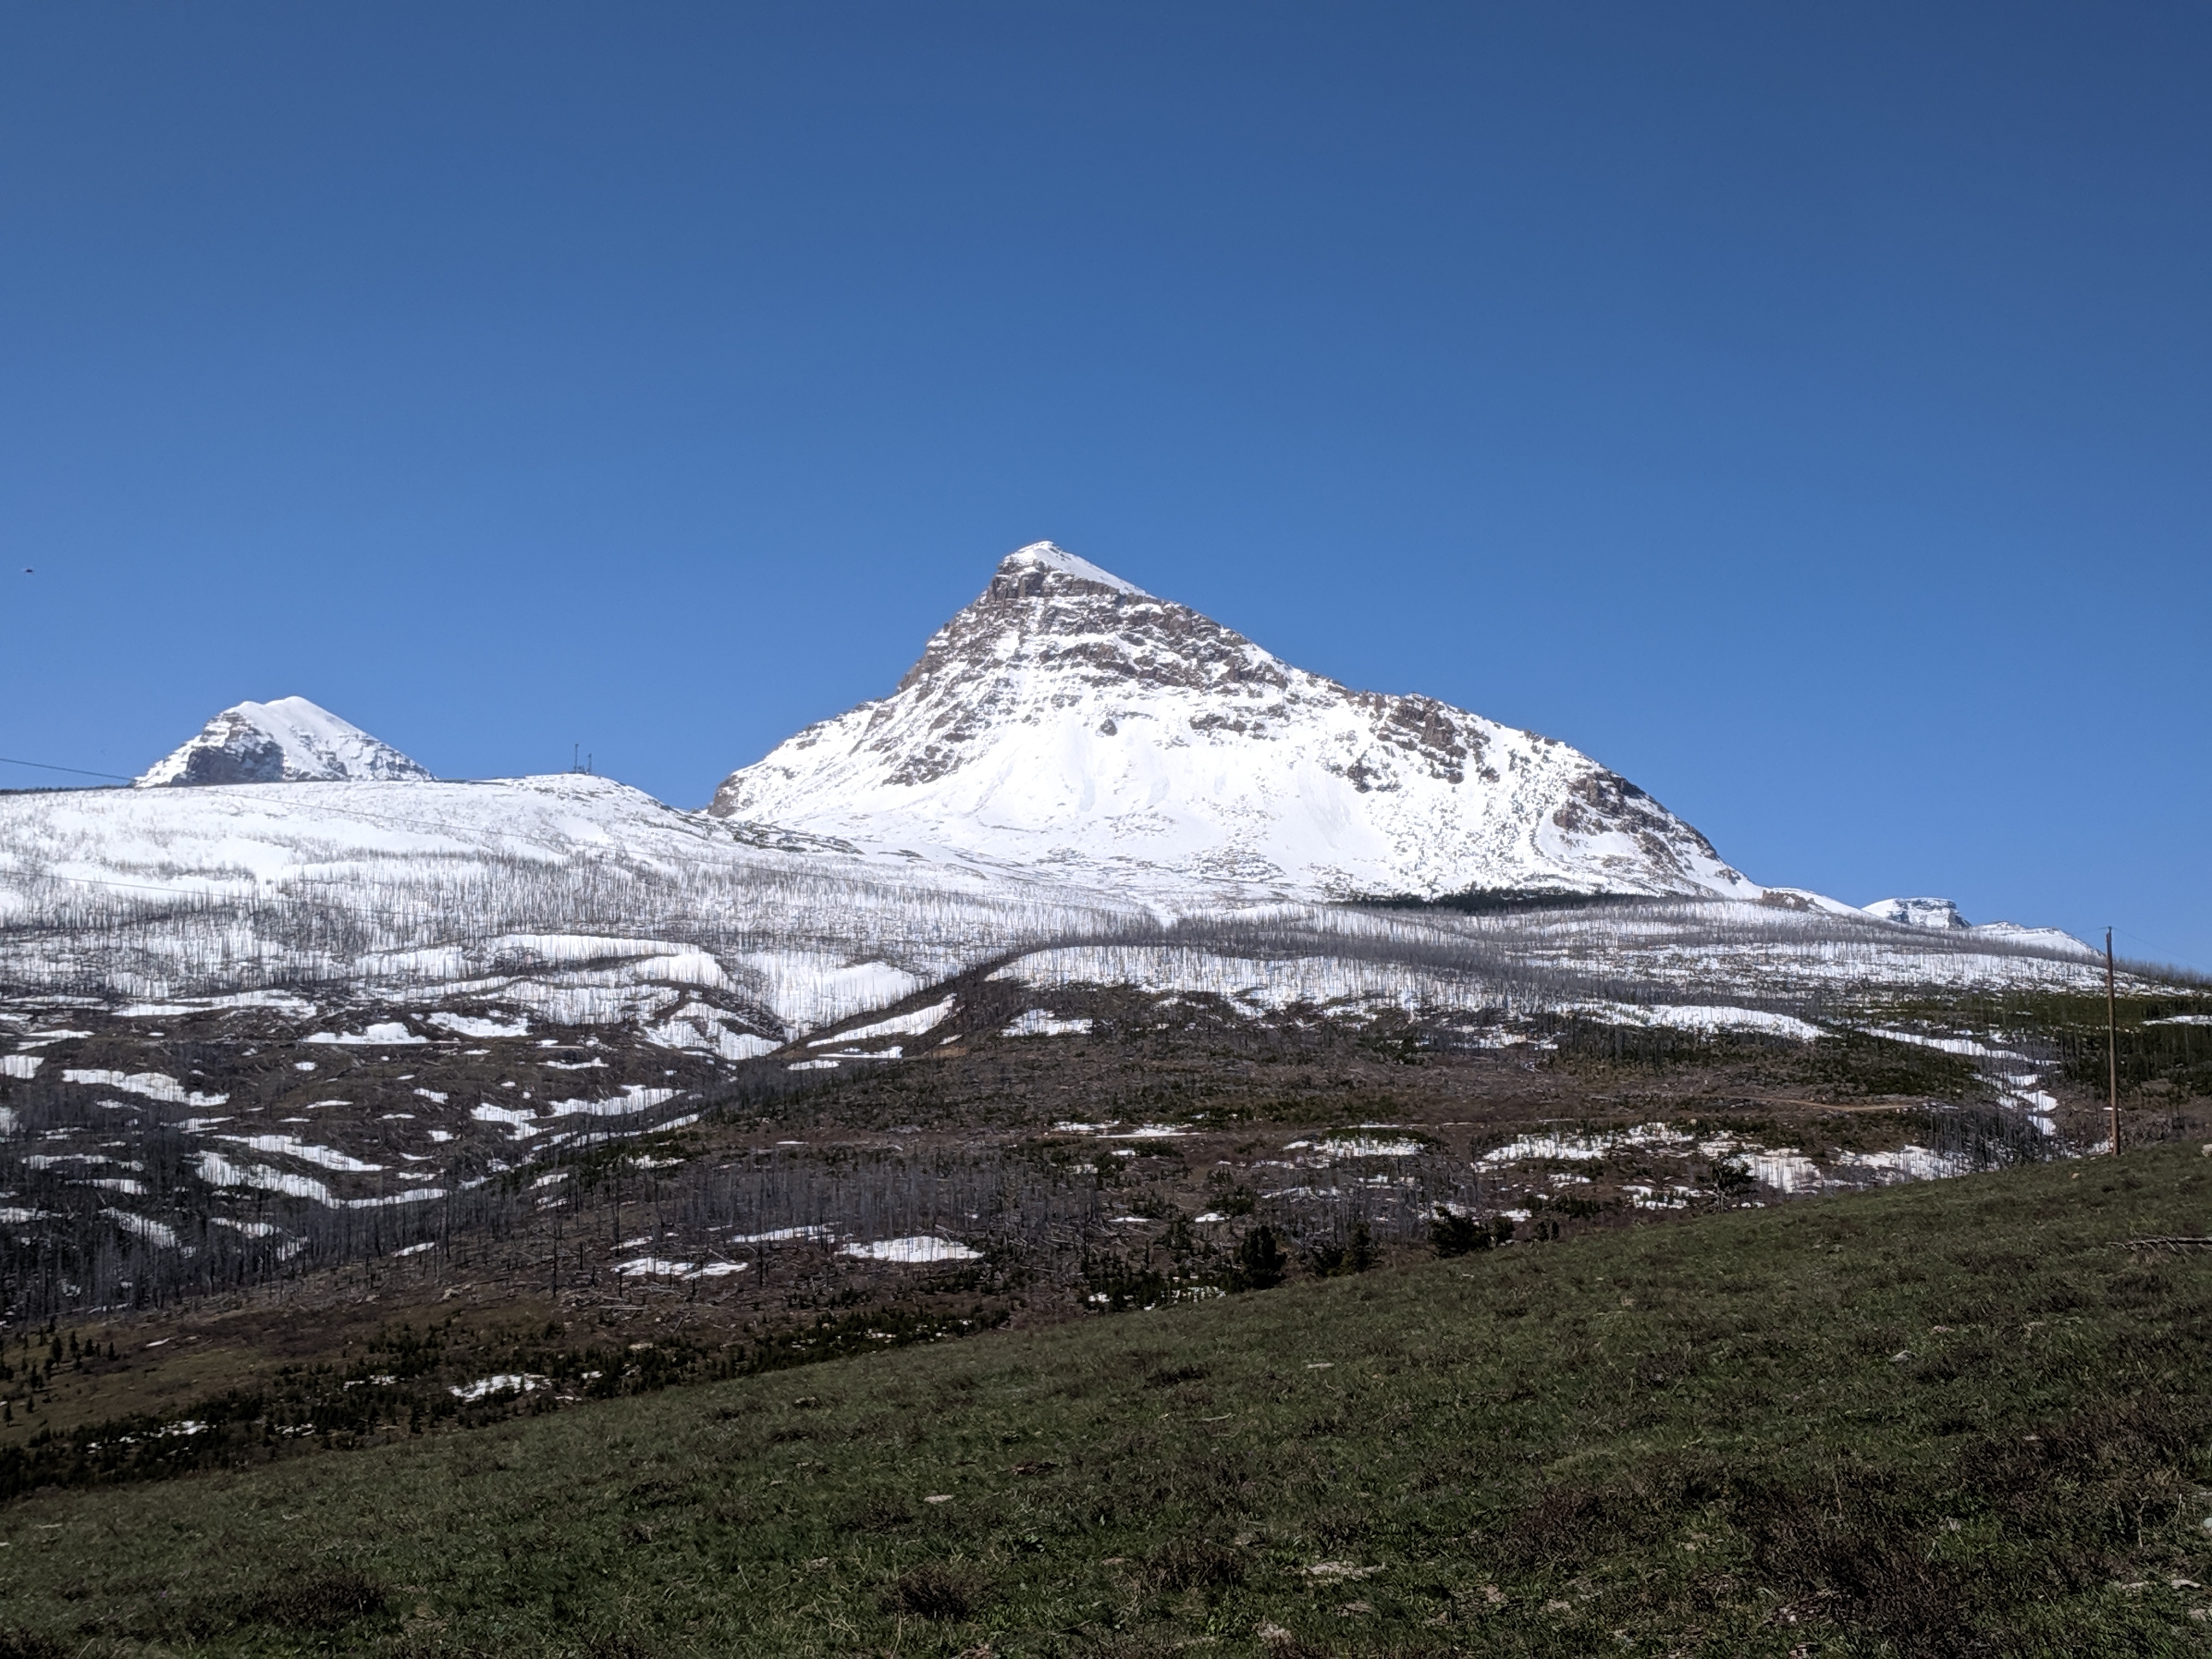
(135, 886)
(2173, 957)
(80, 771)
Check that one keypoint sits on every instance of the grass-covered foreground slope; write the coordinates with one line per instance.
(1949, 1418)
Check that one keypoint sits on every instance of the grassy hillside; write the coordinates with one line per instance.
(1950, 1419)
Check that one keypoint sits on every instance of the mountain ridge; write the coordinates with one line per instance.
(1054, 637)
(1067, 716)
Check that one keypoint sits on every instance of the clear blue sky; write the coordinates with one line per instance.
(1803, 409)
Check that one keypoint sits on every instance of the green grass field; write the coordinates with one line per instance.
(1959, 1418)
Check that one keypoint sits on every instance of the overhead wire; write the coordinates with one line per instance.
(79, 771)
(2175, 957)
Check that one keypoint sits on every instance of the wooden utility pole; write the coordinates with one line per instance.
(2112, 1042)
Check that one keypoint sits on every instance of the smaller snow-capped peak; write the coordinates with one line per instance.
(290, 740)
(1942, 915)
(1918, 912)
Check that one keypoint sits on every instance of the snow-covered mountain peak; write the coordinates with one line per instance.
(1030, 570)
(289, 740)
(1068, 718)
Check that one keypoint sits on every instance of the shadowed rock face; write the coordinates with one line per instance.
(231, 750)
(1067, 716)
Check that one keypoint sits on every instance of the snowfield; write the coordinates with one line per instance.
(569, 899)
(573, 901)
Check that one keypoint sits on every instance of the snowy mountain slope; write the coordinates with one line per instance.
(575, 896)
(1068, 719)
(290, 740)
(1943, 915)
(583, 901)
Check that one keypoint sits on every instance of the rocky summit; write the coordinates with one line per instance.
(1067, 718)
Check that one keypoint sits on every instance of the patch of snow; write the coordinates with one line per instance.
(647, 1266)
(501, 1382)
(476, 1025)
(1039, 1022)
(282, 1002)
(914, 1025)
(156, 1233)
(1524, 1149)
(782, 1236)
(1907, 1164)
(811, 988)
(285, 1147)
(1786, 1170)
(389, 1035)
(699, 1027)
(922, 1247)
(1949, 1045)
(251, 1229)
(1706, 1017)
(154, 1085)
(1368, 1146)
(522, 1121)
(651, 1267)
(219, 1172)
(634, 1098)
